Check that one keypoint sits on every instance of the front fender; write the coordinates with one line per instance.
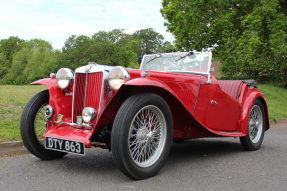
(48, 82)
(149, 82)
(127, 89)
(61, 101)
(246, 108)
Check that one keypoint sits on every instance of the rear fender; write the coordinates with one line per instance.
(246, 108)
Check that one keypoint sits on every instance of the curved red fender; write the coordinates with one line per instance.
(246, 107)
(48, 82)
(62, 102)
(149, 82)
(59, 99)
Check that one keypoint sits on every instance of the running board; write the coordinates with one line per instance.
(231, 134)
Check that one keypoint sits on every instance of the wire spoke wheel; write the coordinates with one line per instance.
(255, 124)
(33, 127)
(256, 127)
(40, 124)
(142, 135)
(147, 136)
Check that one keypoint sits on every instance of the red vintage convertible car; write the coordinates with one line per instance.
(137, 113)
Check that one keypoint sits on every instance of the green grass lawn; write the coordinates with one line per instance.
(14, 98)
(12, 101)
(276, 100)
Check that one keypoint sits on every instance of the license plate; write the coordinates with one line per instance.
(63, 145)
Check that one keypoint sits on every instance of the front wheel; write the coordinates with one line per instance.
(33, 126)
(142, 135)
(256, 127)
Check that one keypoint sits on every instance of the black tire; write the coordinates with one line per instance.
(246, 141)
(28, 134)
(120, 135)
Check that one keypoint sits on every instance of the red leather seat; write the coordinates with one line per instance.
(231, 87)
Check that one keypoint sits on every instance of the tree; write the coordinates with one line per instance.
(41, 63)
(108, 48)
(3, 65)
(167, 47)
(114, 36)
(151, 42)
(249, 37)
(115, 48)
(35, 59)
(75, 51)
(15, 73)
(7, 48)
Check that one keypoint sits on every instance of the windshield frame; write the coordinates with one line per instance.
(180, 71)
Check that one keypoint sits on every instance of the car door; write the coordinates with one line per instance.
(223, 111)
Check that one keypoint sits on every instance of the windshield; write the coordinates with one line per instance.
(198, 62)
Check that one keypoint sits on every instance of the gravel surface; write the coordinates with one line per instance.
(202, 164)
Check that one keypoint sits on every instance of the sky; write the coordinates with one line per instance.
(56, 20)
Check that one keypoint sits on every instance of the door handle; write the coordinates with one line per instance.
(213, 102)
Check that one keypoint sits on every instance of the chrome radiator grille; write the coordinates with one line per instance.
(87, 92)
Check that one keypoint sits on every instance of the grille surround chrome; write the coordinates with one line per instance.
(106, 92)
(87, 92)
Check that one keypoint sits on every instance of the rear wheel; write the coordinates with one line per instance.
(256, 127)
(142, 135)
(33, 126)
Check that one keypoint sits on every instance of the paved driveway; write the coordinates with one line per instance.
(203, 164)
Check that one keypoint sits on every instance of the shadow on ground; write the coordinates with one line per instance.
(100, 162)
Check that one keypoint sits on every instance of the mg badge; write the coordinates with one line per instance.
(79, 120)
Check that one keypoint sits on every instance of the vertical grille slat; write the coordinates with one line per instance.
(92, 92)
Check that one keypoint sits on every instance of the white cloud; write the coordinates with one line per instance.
(56, 20)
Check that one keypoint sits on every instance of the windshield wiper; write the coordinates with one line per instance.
(153, 58)
(187, 54)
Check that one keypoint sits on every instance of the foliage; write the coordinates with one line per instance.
(113, 48)
(34, 59)
(108, 48)
(22, 62)
(7, 49)
(151, 42)
(249, 37)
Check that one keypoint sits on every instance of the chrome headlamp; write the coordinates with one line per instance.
(64, 78)
(117, 77)
(88, 114)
